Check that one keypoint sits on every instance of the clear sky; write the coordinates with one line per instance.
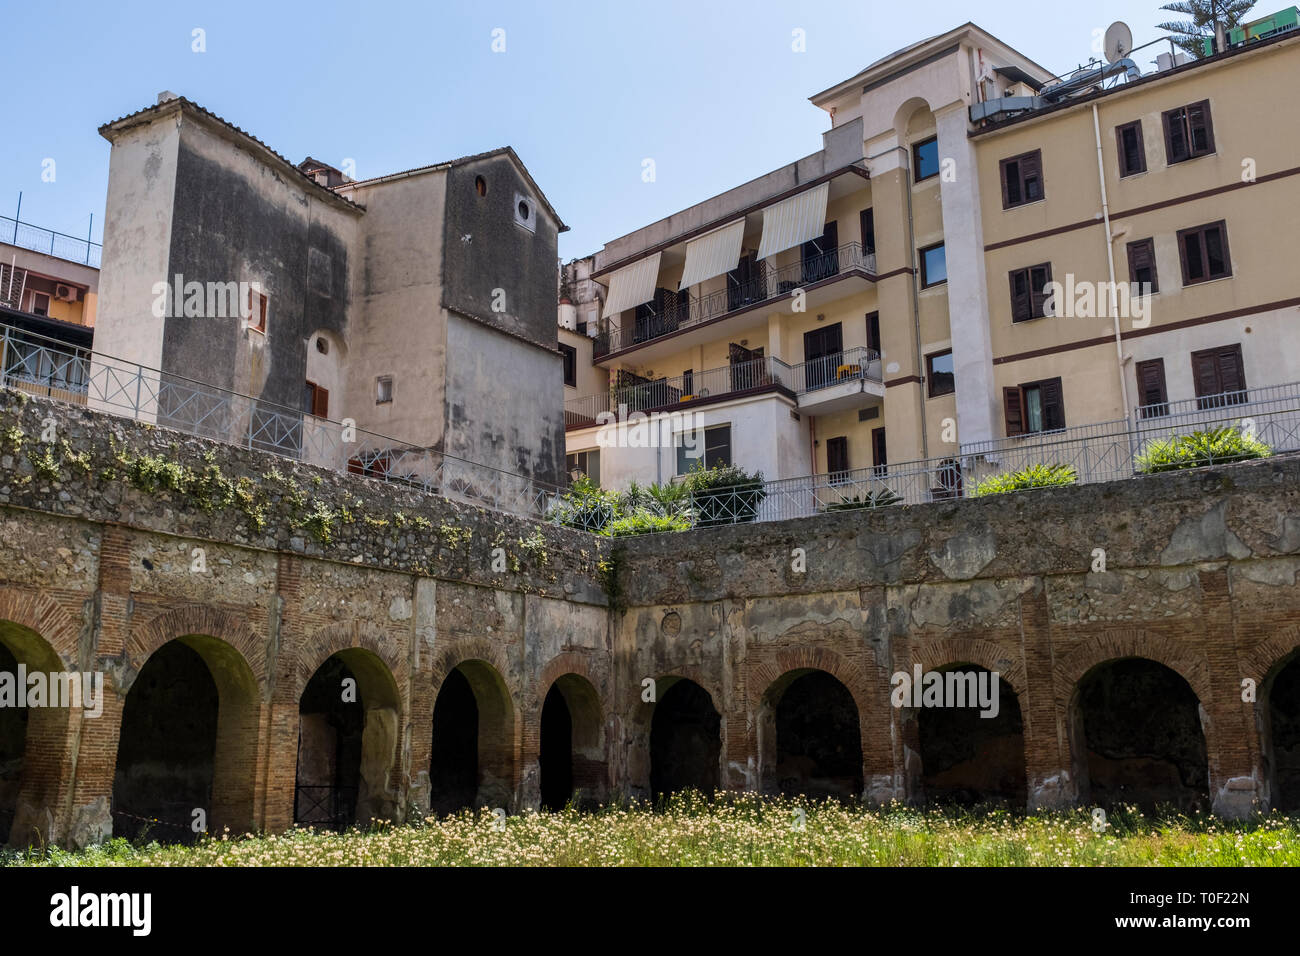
(711, 90)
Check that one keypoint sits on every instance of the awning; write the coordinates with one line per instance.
(632, 285)
(793, 221)
(713, 253)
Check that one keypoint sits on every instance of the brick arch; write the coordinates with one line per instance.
(38, 612)
(811, 657)
(472, 649)
(323, 644)
(1113, 645)
(199, 619)
(690, 672)
(941, 652)
(1261, 661)
(569, 662)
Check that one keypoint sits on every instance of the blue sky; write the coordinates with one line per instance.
(710, 90)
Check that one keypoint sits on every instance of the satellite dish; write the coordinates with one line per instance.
(1118, 42)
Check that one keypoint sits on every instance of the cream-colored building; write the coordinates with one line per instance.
(886, 298)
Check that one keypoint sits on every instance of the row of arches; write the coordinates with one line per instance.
(189, 731)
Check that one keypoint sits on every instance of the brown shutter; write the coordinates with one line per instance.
(1020, 302)
(1039, 276)
(1142, 255)
(1151, 382)
(879, 455)
(1232, 376)
(1205, 373)
(1053, 404)
(1013, 409)
(1198, 121)
(320, 402)
(837, 455)
(867, 221)
(1031, 168)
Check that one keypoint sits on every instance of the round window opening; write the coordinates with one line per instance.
(322, 345)
(480, 185)
(523, 210)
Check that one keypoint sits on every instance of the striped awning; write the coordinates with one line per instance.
(632, 285)
(793, 221)
(713, 253)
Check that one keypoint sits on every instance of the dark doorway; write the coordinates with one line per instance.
(822, 350)
(166, 751)
(331, 722)
(685, 741)
(453, 769)
(1283, 737)
(967, 758)
(13, 744)
(818, 739)
(556, 751)
(1141, 740)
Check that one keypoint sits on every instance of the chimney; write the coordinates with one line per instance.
(166, 95)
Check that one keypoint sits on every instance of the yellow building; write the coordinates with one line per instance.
(955, 266)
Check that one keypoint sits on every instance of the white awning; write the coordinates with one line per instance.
(793, 221)
(713, 253)
(632, 285)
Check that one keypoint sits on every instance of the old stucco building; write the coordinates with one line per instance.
(958, 178)
(405, 303)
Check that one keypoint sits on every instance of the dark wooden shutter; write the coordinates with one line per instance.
(1176, 145)
(320, 402)
(873, 331)
(1200, 129)
(1142, 262)
(1053, 404)
(1232, 374)
(879, 454)
(1039, 276)
(1205, 373)
(837, 455)
(1020, 298)
(1013, 410)
(1031, 176)
(1010, 183)
(868, 222)
(1151, 387)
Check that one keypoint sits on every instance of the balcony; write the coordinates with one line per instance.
(829, 378)
(51, 243)
(771, 285)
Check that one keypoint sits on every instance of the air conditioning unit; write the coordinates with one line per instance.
(65, 293)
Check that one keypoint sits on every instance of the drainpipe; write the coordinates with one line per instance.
(1110, 261)
(916, 299)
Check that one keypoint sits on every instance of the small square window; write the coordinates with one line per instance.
(934, 265)
(925, 159)
(383, 389)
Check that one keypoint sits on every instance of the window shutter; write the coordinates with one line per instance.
(1205, 373)
(1053, 404)
(879, 453)
(1151, 382)
(1232, 377)
(1020, 301)
(1013, 410)
(1031, 175)
(1176, 135)
(837, 455)
(320, 402)
(868, 223)
(1200, 128)
(1039, 276)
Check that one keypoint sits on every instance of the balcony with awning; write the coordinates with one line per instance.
(733, 272)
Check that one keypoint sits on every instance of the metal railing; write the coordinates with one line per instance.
(58, 244)
(768, 284)
(761, 373)
(329, 807)
(40, 365)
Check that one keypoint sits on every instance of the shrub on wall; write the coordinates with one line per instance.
(1035, 476)
(724, 494)
(1216, 446)
(873, 499)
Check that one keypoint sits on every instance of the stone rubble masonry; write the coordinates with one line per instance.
(1200, 576)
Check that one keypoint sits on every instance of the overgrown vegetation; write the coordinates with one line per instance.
(1034, 476)
(1217, 446)
(741, 830)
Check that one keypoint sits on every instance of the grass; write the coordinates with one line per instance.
(740, 830)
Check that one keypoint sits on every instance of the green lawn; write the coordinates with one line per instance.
(742, 831)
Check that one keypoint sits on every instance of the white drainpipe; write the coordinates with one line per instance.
(1110, 260)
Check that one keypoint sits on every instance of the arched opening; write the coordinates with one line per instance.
(1281, 734)
(966, 757)
(685, 739)
(572, 751)
(473, 750)
(1137, 737)
(188, 742)
(813, 724)
(347, 742)
(13, 745)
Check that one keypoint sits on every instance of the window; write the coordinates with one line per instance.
(316, 400)
(925, 159)
(322, 345)
(1152, 397)
(713, 448)
(1204, 253)
(1219, 376)
(1142, 266)
(1029, 292)
(40, 304)
(867, 221)
(480, 185)
(383, 389)
(586, 463)
(939, 373)
(1033, 407)
(879, 457)
(688, 382)
(1132, 151)
(837, 459)
(1022, 179)
(873, 331)
(570, 364)
(524, 213)
(257, 310)
(934, 265)
(1188, 132)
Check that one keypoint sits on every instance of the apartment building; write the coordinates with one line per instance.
(889, 297)
(416, 306)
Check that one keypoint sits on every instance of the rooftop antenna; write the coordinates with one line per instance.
(1118, 42)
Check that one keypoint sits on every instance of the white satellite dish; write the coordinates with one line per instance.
(1118, 42)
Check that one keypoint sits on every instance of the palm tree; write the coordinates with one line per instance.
(1208, 18)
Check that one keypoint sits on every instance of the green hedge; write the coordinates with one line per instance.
(1035, 476)
(1214, 447)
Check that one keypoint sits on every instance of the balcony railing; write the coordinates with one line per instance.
(664, 393)
(58, 244)
(768, 284)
